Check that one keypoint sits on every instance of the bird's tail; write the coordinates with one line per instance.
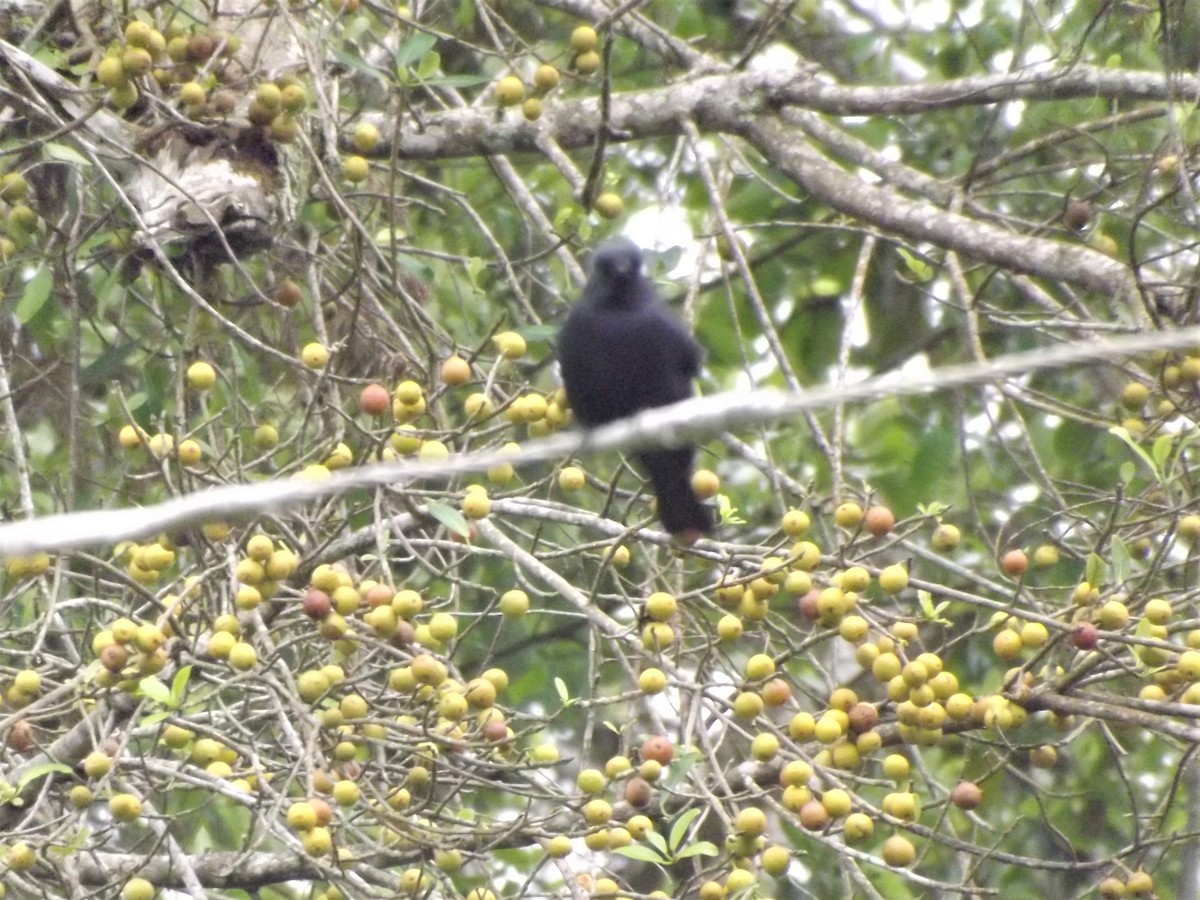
(681, 513)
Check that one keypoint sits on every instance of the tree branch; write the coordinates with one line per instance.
(696, 419)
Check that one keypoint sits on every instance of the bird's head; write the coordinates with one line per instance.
(617, 260)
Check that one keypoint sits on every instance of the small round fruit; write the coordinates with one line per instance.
(899, 851)
(314, 355)
(858, 828)
(748, 705)
(192, 94)
(269, 96)
(190, 452)
(879, 520)
(97, 764)
(609, 205)
(295, 98)
(654, 681)
(1034, 634)
(136, 61)
(443, 627)
(1014, 563)
(1134, 395)
(514, 604)
(288, 293)
(893, 579)
(750, 821)
(775, 860)
(945, 538)
(366, 137)
(138, 889)
(660, 606)
(588, 63)
(571, 478)
(813, 815)
(201, 376)
(1045, 556)
(532, 109)
(1007, 644)
(355, 169)
(584, 39)
(317, 841)
(129, 437)
(242, 656)
(1085, 636)
(476, 504)
(590, 781)
(1140, 883)
(1043, 756)
(729, 628)
(125, 807)
(836, 802)
(659, 749)
(597, 811)
(13, 186)
(546, 78)
(456, 371)
(21, 857)
(510, 344)
(966, 795)
(848, 515)
(509, 91)
(705, 483)
(374, 400)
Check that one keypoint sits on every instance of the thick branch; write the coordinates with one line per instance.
(724, 101)
(922, 221)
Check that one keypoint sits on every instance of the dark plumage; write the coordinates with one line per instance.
(621, 351)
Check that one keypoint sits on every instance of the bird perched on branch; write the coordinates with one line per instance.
(621, 351)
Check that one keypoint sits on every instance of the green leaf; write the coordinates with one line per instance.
(355, 28)
(106, 365)
(457, 80)
(179, 684)
(34, 297)
(1161, 450)
(700, 848)
(1094, 574)
(1122, 562)
(642, 854)
(475, 267)
(418, 268)
(563, 693)
(727, 511)
(450, 517)
(155, 690)
(41, 771)
(1119, 432)
(386, 237)
(677, 772)
(413, 49)
(356, 62)
(680, 827)
(63, 153)
(538, 332)
(653, 837)
(429, 64)
(917, 267)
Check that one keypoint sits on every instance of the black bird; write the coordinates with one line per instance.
(621, 351)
